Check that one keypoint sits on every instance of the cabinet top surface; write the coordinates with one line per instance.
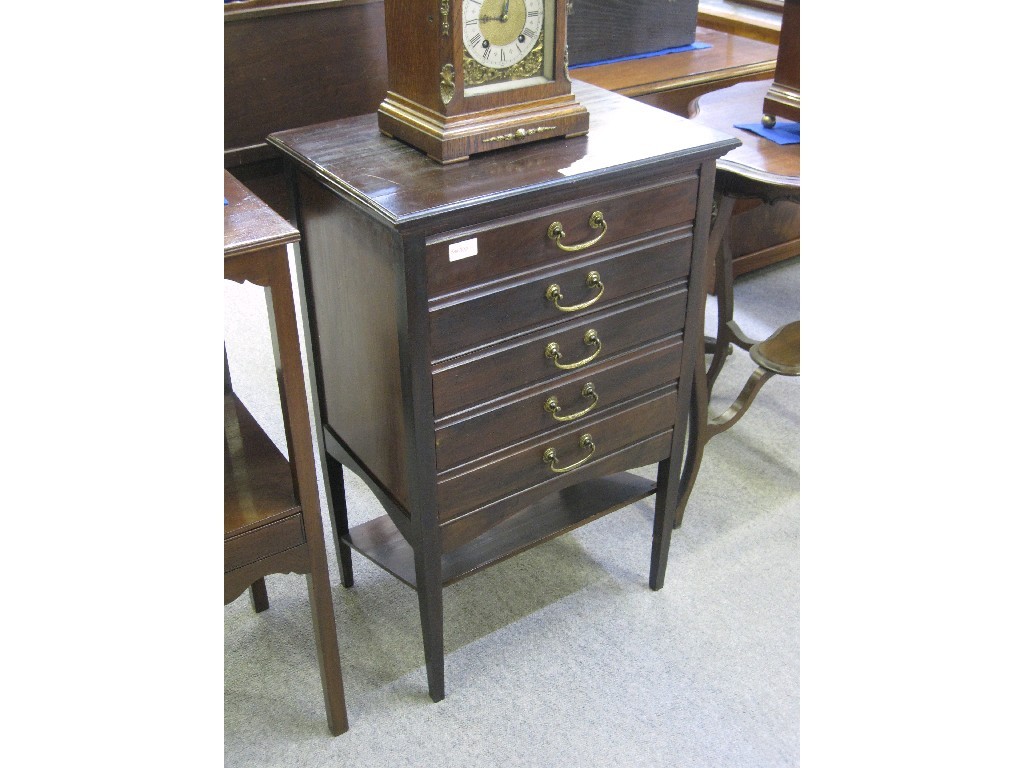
(249, 223)
(402, 184)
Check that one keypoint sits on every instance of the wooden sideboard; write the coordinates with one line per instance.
(284, 67)
(495, 343)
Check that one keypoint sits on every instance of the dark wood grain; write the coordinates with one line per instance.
(357, 341)
(465, 489)
(474, 529)
(482, 431)
(522, 304)
(407, 189)
(521, 241)
(514, 364)
(249, 224)
(336, 67)
(554, 515)
(377, 219)
(295, 64)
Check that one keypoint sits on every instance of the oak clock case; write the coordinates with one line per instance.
(471, 76)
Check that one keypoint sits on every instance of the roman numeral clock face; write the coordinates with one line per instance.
(506, 44)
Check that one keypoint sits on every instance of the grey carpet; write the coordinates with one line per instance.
(561, 656)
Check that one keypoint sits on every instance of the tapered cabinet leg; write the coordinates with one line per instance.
(664, 516)
(428, 589)
(258, 596)
(338, 508)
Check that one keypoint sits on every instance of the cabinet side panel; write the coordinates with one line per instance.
(353, 274)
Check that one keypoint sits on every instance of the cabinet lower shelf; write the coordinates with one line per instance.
(381, 542)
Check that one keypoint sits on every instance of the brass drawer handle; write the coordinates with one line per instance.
(552, 406)
(586, 444)
(556, 232)
(590, 338)
(554, 293)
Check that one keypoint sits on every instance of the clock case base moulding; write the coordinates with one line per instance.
(449, 139)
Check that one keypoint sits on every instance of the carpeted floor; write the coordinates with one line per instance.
(562, 656)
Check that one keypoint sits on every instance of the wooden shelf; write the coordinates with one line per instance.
(380, 541)
(258, 486)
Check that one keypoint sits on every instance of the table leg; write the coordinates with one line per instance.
(286, 344)
(696, 437)
(338, 508)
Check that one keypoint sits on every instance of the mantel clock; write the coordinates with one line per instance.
(469, 76)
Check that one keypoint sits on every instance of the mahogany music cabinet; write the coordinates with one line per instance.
(495, 343)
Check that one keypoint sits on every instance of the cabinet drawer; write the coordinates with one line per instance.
(527, 466)
(457, 260)
(607, 385)
(475, 526)
(263, 542)
(476, 318)
(508, 366)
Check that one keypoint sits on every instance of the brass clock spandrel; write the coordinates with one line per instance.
(475, 73)
(447, 83)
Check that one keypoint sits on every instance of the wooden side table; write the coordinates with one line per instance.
(271, 505)
(759, 169)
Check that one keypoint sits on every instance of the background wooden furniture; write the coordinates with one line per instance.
(290, 63)
(489, 355)
(761, 235)
(783, 97)
(271, 505)
(336, 67)
(757, 19)
(770, 173)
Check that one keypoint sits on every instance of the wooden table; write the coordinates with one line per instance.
(761, 235)
(672, 80)
(758, 169)
(498, 342)
(271, 505)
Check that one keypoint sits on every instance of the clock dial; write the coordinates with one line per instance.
(504, 40)
(471, 76)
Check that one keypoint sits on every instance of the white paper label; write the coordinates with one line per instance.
(462, 249)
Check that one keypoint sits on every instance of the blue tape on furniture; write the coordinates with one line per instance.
(662, 52)
(784, 132)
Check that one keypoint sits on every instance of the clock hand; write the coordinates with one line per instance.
(504, 11)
